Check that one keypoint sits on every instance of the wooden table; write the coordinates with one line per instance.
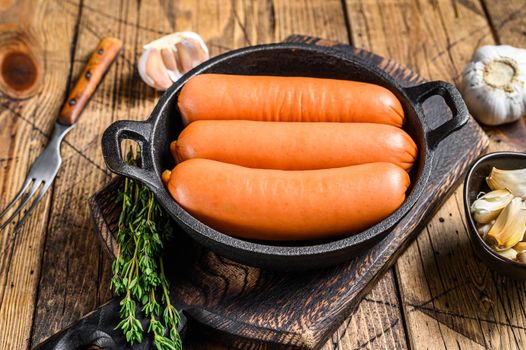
(54, 270)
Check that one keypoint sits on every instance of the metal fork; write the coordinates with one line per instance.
(45, 168)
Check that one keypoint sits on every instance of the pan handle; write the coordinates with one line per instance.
(139, 132)
(418, 94)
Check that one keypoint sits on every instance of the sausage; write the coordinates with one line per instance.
(294, 146)
(287, 99)
(265, 204)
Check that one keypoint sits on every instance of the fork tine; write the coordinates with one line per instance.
(26, 183)
(33, 205)
(26, 199)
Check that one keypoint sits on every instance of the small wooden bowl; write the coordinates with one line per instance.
(474, 184)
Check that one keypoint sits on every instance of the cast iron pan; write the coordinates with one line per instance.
(286, 59)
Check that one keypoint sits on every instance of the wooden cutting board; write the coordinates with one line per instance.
(247, 307)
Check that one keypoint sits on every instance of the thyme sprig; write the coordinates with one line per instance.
(138, 270)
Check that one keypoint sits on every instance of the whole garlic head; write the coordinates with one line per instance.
(493, 84)
(165, 60)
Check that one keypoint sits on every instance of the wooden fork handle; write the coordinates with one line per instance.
(98, 64)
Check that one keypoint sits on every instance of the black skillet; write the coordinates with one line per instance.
(286, 59)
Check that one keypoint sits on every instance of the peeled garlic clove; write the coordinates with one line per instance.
(509, 227)
(489, 206)
(509, 253)
(165, 60)
(511, 180)
(483, 229)
(521, 246)
(521, 257)
(493, 84)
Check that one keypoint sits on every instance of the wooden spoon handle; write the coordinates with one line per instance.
(99, 62)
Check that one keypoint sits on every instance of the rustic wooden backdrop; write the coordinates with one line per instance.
(55, 270)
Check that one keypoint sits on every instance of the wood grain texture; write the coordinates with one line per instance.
(75, 270)
(450, 299)
(376, 323)
(224, 25)
(98, 64)
(301, 310)
(25, 128)
(21, 64)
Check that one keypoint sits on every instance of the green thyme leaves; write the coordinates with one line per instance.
(138, 270)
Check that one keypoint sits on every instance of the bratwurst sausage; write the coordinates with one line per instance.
(294, 146)
(287, 99)
(267, 204)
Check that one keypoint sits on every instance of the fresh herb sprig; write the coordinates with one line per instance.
(138, 270)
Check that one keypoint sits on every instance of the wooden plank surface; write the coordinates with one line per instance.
(44, 35)
(212, 290)
(217, 289)
(75, 269)
(271, 21)
(236, 25)
(54, 270)
(450, 299)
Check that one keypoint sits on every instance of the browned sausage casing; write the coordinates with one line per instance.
(287, 205)
(287, 99)
(294, 146)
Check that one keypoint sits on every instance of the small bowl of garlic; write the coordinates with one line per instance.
(495, 206)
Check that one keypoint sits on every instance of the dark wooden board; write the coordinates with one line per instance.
(247, 307)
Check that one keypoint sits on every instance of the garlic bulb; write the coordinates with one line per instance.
(509, 227)
(493, 84)
(511, 180)
(165, 60)
(488, 207)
